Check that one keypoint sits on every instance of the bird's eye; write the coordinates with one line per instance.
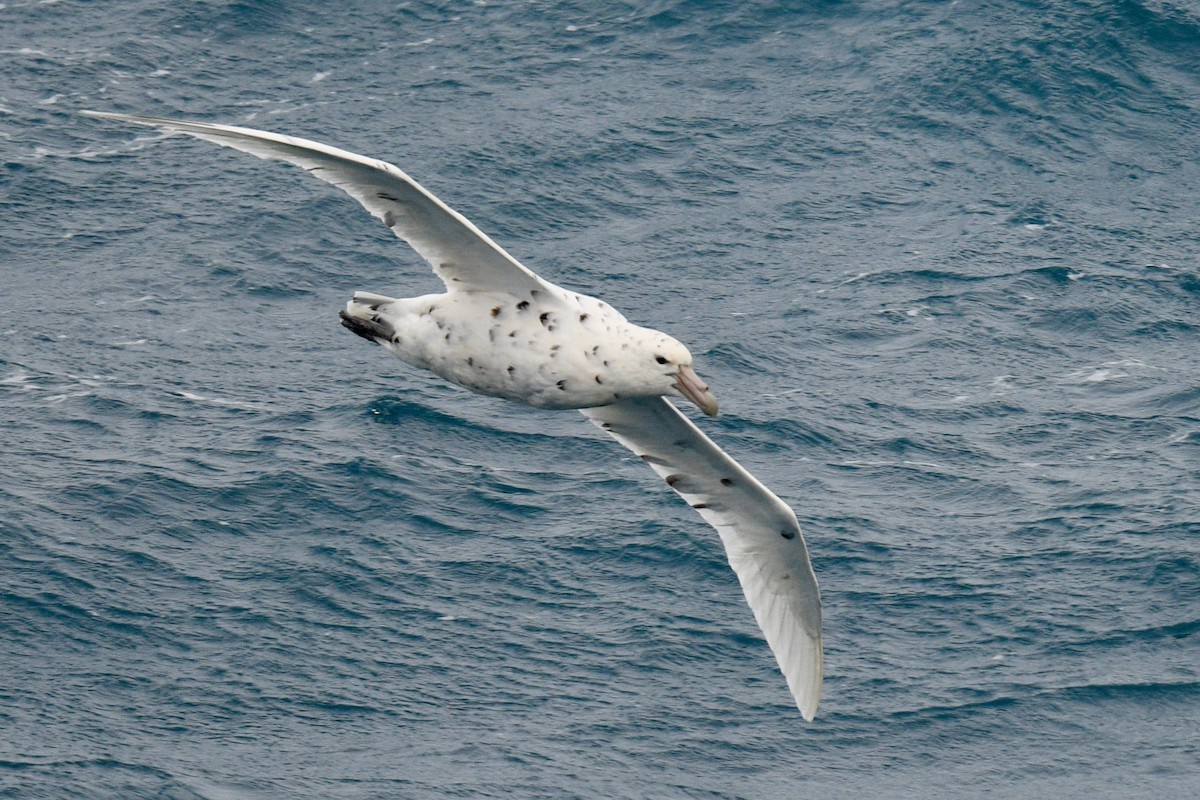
(661, 359)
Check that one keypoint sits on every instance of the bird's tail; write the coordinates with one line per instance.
(361, 315)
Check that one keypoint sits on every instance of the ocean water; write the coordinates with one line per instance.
(937, 259)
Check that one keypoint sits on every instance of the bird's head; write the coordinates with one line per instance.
(670, 363)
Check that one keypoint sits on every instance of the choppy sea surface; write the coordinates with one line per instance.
(939, 261)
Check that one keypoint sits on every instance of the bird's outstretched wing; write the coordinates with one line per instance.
(461, 255)
(761, 536)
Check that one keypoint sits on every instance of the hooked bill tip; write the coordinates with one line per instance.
(688, 383)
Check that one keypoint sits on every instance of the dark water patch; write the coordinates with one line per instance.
(99, 777)
(1168, 331)
(393, 411)
(1144, 696)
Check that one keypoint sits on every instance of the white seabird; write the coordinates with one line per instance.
(499, 329)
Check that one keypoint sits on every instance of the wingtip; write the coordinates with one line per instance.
(133, 119)
(136, 119)
(87, 112)
(807, 699)
(804, 671)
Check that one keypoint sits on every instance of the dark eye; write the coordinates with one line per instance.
(661, 359)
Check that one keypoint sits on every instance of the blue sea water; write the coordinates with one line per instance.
(937, 259)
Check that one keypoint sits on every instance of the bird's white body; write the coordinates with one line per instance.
(549, 349)
(501, 330)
